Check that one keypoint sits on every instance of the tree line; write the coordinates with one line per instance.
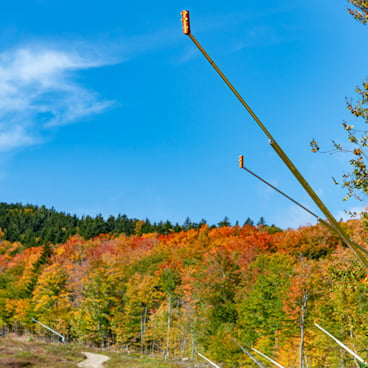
(34, 225)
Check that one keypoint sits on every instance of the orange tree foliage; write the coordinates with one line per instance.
(355, 182)
(359, 10)
(178, 293)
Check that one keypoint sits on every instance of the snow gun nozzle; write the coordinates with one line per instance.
(186, 22)
(241, 162)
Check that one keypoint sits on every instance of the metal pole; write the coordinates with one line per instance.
(336, 226)
(50, 329)
(341, 344)
(209, 361)
(267, 357)
(247, 352)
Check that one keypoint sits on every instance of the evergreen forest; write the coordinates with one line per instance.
(37, 225)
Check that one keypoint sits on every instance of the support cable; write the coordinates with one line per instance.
(281, 192)
(241, 165)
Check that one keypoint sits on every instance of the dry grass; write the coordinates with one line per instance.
(17, 354)
(22, 353)
(123, 361)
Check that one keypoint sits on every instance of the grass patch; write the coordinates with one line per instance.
(121, 360)
(17, 354)
(33, 354)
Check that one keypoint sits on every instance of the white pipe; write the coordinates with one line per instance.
(247, 352)
(209, 361)
(50, 329)
(265, 356)
(341, 344)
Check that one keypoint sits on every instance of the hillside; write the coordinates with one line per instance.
(184, 292)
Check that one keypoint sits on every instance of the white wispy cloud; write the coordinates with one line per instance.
(38, 90)
(15, 136)
(293, 217)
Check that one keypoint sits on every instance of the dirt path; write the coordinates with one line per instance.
(93, 361)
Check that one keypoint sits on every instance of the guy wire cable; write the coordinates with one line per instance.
(241, 166)
(355, 248)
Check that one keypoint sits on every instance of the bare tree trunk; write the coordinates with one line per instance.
(352, 340)
(101, 335)
(152, 346)
(142, 332)
(193, 347)
(183, 344)
(305, 360)
(168, 325)
(305, 297)
(342, 358)
(302, 326)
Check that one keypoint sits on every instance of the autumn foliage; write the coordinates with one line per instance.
(179, 293)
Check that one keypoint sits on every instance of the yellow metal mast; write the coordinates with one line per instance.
(359, 251)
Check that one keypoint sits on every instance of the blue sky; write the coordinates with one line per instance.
(106, 107)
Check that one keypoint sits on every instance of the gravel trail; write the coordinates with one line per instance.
(93, 360)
